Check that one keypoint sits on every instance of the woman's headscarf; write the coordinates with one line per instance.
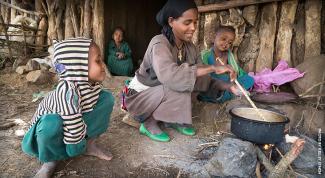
(173, 8)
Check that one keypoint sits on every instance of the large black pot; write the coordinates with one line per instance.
(246, 124)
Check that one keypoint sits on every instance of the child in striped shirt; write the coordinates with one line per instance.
(70, 118)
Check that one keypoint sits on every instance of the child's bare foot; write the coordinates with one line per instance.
(93, 150)
(46, 170)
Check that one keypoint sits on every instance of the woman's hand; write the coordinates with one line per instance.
(224, 69)
(236, 91)
(120, 55)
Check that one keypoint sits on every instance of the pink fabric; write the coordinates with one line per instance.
(280, 75)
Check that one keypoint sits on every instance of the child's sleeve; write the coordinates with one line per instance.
(74, 128)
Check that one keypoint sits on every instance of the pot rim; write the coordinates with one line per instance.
(287, 120)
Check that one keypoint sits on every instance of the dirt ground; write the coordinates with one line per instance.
(134, 154)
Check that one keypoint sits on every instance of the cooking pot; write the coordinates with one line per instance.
(246, 124)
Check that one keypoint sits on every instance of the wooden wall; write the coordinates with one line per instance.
(137, 18)
(267, 31)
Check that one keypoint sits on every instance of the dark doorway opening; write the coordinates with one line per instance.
(137, 18)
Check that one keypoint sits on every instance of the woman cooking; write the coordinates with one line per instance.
(170, 71)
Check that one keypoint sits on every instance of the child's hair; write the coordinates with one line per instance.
(221, 29)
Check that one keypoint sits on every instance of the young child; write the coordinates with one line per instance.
(71, 117)
(225, 35)
(119, 61)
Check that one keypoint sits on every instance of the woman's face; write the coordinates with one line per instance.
(185, 25)
(118, 36)
(224, 40)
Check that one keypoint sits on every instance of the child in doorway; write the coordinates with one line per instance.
(70, 118)
(119, 61)
(225, 35)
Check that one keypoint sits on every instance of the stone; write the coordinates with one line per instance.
(314, 71)
(52, 70)
(32, 65)
(21, 70)
(234, 158)
(307, 161)
(38, 77)
(44, 67)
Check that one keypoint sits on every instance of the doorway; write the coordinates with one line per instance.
(137, 18)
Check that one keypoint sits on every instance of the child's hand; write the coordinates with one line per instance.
(236, 91)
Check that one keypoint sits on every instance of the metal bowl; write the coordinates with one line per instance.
(246, 124)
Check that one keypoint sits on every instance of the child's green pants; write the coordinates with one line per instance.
(44, 139)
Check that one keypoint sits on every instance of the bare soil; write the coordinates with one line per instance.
(134, 154)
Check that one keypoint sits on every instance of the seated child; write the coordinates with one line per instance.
(225, 35)
(70, 118)
(119, 61)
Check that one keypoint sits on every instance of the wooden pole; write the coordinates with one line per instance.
(42, 25)
(3, 3)
(230, 4)
(267, 32)
(51, 8)
(98, 24)
(313, 28)
(87, 19)
(59, 26)
(74, 19)
(4, 27)
(13, 11)
(68, 30)
(283, 42)
(98, 28)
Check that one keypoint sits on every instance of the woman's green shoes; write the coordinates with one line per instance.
(162, 137)
(184, 130)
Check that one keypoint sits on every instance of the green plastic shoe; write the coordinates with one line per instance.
(190, 131)
(162, 137)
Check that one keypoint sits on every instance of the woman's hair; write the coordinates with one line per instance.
(221, 29)
(174, 9)
(118, 28)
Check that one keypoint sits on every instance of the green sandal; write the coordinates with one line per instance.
(190, 131)
(162, 137)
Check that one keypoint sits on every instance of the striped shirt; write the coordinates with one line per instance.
(73, 95)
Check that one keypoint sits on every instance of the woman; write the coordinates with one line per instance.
(170, 71)
(119, 59)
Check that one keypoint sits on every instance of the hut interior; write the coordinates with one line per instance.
(137, 18)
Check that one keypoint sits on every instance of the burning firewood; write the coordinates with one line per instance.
(280, 170)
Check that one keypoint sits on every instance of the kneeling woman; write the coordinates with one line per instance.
(170, 71)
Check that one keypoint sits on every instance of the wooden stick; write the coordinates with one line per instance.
(312, 87)
(230, 4)
(245, 93)
(318, 102)
(19, 9)
(281, 167)
(2, 23)
(258, 170)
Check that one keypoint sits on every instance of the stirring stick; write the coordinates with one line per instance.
(245, 93)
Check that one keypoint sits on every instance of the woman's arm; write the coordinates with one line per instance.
(127, 51)
(206, 69)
